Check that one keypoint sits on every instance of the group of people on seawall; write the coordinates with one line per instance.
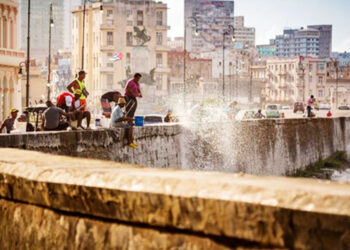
(71, 109)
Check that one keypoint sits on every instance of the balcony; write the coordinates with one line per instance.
(11, 57)
(107, 47)
(109, 25)
(162, 27)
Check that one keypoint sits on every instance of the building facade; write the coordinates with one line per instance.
(136, 30)
(325, 40)
(39, 27)
(10, 58)
(205, 22)
(244, 36)
(304, 42)
(267, 50)
(176, 44)
(294, 79)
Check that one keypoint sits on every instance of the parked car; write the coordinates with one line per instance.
(272, 111)
(343, 107)
(299, 107)
(153, 119)
(286, 108)
(324, 107)
(245, 115)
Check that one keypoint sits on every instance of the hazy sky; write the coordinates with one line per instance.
(269, 17)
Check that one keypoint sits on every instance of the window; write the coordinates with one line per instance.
(109, 38)
(159, 81)
(109, 54)
(139, 18)
(159, 38)
(159, 60)
(109, 81)
(320, 79)
(129, 40)
(320, 93)
(321, 66)
(159, 18)
(310, 67)
(109, 13)
(109, 65)
(128, 58)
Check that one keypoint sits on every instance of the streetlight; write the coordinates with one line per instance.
(84, 11)
(336, 65)
(28, 55)
(302, 68)
(225, 33)
(51, 25)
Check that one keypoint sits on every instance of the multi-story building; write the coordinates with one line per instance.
(325, 40)
(267, 50)
(206, 21)
(343, 58)
(304, 42)
(294, 79)
(135, 29)
(195, 67)
(10, 58)
(244, 36)
(176, 44)
(39, 27)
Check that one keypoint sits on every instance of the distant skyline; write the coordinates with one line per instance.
(270, 17)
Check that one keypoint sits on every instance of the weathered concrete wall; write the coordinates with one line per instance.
(159, 145)
(49, 202)
(266, 147)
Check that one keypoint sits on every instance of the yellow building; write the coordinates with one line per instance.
(136, 29)
(10, 57)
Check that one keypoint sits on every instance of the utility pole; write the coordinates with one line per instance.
(28, 55)
(223, 65)
(49, 60)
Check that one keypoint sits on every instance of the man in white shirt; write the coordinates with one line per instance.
(117, 121)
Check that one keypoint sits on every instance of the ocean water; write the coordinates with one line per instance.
(343, 176)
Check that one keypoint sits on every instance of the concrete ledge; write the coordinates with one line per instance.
(159, 146)
(265, 211)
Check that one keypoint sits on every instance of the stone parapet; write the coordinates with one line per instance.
(159, 145)
(92, 199)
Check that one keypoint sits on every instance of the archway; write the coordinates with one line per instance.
(1, 99)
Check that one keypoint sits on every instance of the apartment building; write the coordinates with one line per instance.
(10, 57)
(136, 29)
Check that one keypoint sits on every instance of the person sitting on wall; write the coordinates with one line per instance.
(80, 112)
(51, 119)
(65, 101)
(106, 99)
(117, 121)
(259, 115)
(9, 123)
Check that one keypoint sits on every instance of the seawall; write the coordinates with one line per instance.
(58, 202)
(264, 147)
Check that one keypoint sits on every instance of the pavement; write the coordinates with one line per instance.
(320, 113)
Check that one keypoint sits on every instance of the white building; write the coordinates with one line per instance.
(10, 57)
(244, 36)
(295, 79)
(136, 29)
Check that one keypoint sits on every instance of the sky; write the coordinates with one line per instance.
(270, 17)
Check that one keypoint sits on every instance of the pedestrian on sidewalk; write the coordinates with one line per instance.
(117, 121)
(310, 102)
(132, 91)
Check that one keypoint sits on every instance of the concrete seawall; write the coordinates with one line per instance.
(265, 147)
(159, 145)
(49, 202)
